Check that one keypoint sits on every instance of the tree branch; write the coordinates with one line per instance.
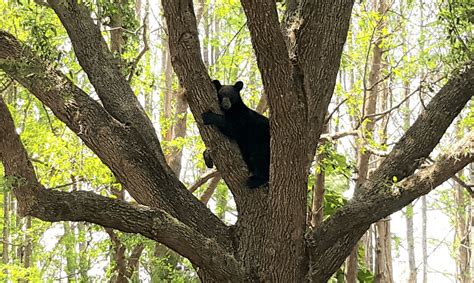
(426, 132)
(464, 185)
(200, 93)
(270, 48)
(203, 179)
(156, 224)
(319, 49)
(381, 196)
(147, 179)
(103, 72)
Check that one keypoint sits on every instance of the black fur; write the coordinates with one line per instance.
(248, 128)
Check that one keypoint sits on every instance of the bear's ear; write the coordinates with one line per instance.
(239, 85)
(217, 84)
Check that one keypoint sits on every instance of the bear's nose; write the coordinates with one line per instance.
(226, 104)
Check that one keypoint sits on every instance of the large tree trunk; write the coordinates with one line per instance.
(270, 241)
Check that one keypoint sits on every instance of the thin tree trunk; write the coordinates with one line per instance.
(205, 47)
(471, 221)
(369, 249)
(6, 226)
(211, 188)
(366, 131)
(116, 33)
(424, 239)
(28, 244)
(383, 261)
(318, 190)
(167, 98)
(409, 209)
(84, 262)
(179, 130)
(351, 265)
(462, 235)
(69, 245)
(384, 272)
(411, 244)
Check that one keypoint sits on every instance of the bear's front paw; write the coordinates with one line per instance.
(208, 159)
(207, 117)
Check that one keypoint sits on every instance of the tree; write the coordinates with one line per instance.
(270, 241)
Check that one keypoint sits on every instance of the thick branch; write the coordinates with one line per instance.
(189, 67)
(103, 72)
(156, 224)
(50, 205)
(148, 180)
(379, 198)
(359, 214)
(270, 48)
(421, 138)
(319, 48)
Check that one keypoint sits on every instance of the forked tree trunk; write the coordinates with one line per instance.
(270, 241)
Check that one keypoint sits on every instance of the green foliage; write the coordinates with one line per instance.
(63, 162)
(15, 273)
(457, 19)
(333, 162)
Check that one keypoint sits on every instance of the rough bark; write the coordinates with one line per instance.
(288, 188)
(156, 224)
(193, 77)
(148, 179)
(267, 243)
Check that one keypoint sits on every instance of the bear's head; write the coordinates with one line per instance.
(228, 95)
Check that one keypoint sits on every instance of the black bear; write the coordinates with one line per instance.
(248, 128)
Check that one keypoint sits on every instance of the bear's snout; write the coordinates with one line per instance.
(226, 104)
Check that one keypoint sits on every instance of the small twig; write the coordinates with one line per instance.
(338, 135)
(334, 111)
(228, 44)
(464, 185)
(6, 86)
(68, 184)
(203, 179)
(53, 130)
(144, 50)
